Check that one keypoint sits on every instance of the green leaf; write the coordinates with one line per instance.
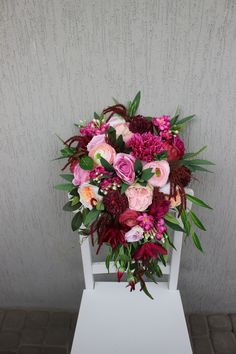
(100, 206)
(194, 154)
(196, 241)
(107, 262)
(115, 100)
(147, 174)
(96, 116)
(76, 221)
(86, 162)
(75, 200)
(65, 187)
(111, 133)
(196, 221)
(120, 143)
(171, 218)
(68, 207)
(200, 162)
(138, 167)
(91, 217)
(68, 151)
(106, 165)
(145, 290)
(134, 105)
(174, 226)
(186, 223)
(198, 201)
(185, 120)
(74, 191)
(67, 177)
(195, 168)
(162, 156)
(124, 186)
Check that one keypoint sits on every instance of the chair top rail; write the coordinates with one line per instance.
(100, 268)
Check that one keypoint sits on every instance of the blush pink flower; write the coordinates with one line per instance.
(146, 221)
(139, 197)
(124, 167)
(145, 146)
(80, 175)
(123, 129)
(102, 150)
(161, 170)
(89, 196)
(96, 140)
(115, 120)
(135, 234)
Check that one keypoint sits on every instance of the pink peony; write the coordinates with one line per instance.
(123, 129)
(135, 234)
(80, 175)
(145, 146)
(175, 149)
(124, 167)
(96, 140)
(102, 150)
(139, 197)
(129, 218)
(161, 170)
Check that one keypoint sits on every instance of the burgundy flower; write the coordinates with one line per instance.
(180, 175)
(160, 206)
(146, 145)
(139, 124)
(149, 250)
(112, 235)
(115, 202)
(119, 275)
(175, 148)
(129, 218)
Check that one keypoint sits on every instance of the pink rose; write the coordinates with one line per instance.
(129, 218)
(161, 170)
(123, 129)
(124, 167)
(102, 150)
(80, 175)
(115, 120)
(139, 197)
(135, 234)
(96, 140)
(89, 196)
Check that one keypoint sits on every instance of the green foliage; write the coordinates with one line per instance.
(86, 162)
(138, 167)
(64, 187)
(69, 207)
(76, 221)
(106, 165)
(196, 241)
(146, 174)
(198, 201)
(111, 134)
(67, 177)
(132, 109)
(196, 221)
(124, 186)
(91, 217)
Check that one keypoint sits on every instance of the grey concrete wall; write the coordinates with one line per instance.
(60, 61)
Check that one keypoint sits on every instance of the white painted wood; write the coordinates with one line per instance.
(87, 262)
(100, 268)
(112, 320)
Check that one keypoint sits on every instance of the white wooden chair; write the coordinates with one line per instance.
(112, 320)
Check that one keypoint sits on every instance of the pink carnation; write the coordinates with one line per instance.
(145, 146)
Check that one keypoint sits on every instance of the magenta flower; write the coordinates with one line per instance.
(146, 221)
(80, 175)
(124, 167)
(93, 129)
(163, 123)
(161, 228)
(145, 146)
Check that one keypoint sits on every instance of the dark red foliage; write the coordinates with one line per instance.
(115, 202)
(149, 250)
(116, 109)
(160, 206)
(139, 124)
(112, 235)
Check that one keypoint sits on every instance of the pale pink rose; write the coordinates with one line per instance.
(102, 150)
(161, 170)
(123, 129)
(96, 140)
(80, 175)
(124, 167)
(89, 196)
(139, 197)
(134, 234)
(174, 201)
(115, 120)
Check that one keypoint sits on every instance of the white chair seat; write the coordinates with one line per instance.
(114, 321)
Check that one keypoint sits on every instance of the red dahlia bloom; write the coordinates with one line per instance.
(115, 202)
(148, 250)
(139, 124)
(175, 149)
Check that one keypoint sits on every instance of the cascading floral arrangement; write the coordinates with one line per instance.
(127, 187)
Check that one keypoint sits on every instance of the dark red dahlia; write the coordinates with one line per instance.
(149, 250)
(160, 206)
(139, 124)
(115, 202)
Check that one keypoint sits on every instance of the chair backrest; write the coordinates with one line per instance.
(171, 270)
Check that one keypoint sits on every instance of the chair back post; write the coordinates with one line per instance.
(175, 260)
(87, 262)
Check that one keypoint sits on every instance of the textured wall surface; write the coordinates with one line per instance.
(60, 61)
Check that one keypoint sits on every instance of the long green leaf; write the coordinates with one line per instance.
(198, 201)
(171, 218)
(196, 241)
(134, 105)
(200, 162)
(193, 154)
(174, 226)
(185, 120)
(196, 220)
(67, 177)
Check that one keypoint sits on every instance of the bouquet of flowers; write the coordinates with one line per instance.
(127, 187)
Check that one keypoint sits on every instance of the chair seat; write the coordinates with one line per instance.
(114, 321)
